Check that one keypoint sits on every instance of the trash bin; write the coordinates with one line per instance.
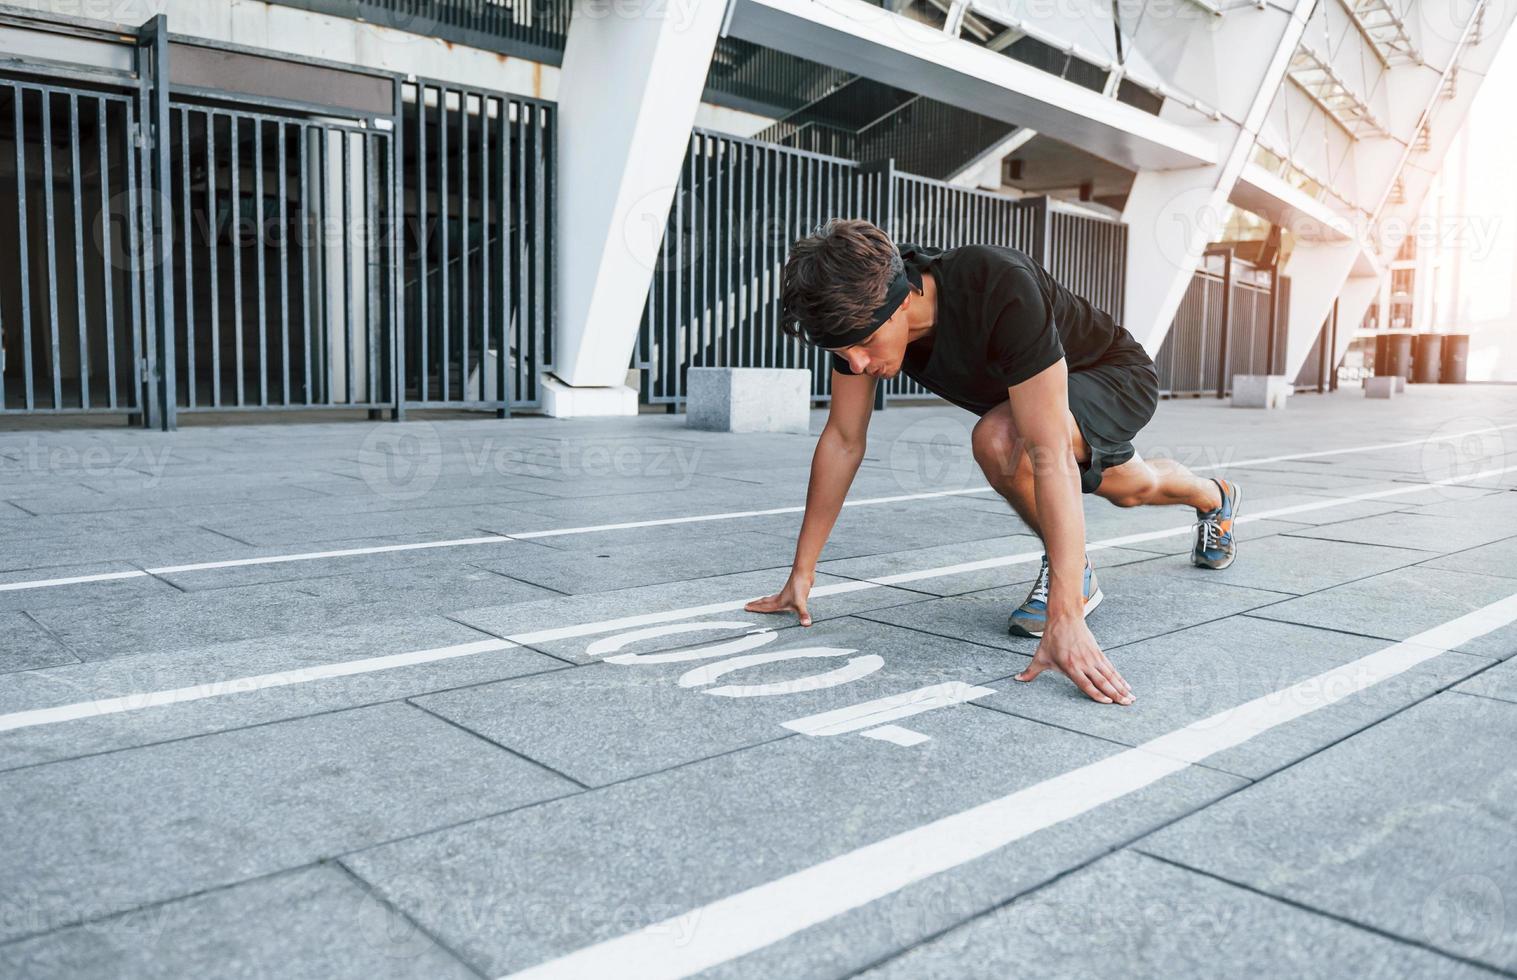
(1398, 355)
(1456, 352)
(1426, 352)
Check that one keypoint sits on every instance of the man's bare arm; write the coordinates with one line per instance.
(1040, 409)
(834, 464)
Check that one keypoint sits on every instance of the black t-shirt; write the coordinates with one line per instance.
(1001, 319)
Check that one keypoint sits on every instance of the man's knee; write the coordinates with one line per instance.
(996, 446)
(1133, 487)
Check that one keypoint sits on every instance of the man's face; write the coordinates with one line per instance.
(880, 354)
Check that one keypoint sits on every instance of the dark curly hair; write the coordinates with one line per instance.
(836, 277)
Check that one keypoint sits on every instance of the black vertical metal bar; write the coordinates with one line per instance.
(25, 249)
(466, 296)
(525, 316)
(107, 275)
(1227, 323)
(187, 226)
(260, 246)
(540, 237)
(156, 36)
(396, 263)
(444, 360)
(235, 227)
(80, 314)
(507, 334)
(373, 314)
(283, 190)
(345, 188)
(213, 248)
(486, 276)
(51, 228)
(310, 244)
(187, 232)
(137, 284)
(324, 339)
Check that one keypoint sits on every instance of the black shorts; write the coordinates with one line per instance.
(1111, 402)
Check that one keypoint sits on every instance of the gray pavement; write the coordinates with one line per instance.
(467, 697)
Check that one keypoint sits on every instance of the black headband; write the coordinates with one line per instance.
(901, 284)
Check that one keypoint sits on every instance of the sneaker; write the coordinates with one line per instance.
(1030, 617)
(1215, 546)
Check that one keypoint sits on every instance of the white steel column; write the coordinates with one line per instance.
(1173, 214)
(629, 88)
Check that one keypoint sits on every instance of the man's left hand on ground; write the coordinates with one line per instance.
(1069, 647)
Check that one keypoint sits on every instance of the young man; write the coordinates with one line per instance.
(1060, 389)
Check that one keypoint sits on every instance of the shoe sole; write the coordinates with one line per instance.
(1237, 504)
(1090, 607)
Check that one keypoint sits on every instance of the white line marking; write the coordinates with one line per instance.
(896, 735)
(767, 913)
(840, 721)
(242, 685)
(663, 521)
(25, 719)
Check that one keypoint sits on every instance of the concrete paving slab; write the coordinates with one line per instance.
(1133, 916)
(606, 722)
(24, 645)
(138, 586)
(1411, 529)
(316, 922)
(1142, 599)
(1191, 674)
(1405, 827)
(960, 583)
(156, 546)
(237, 704)
(625, 566)
(191, 620)
(1498, 558)
(155, 823)
(1398, 604)
(1286, 563)
(1497, 681)
(570, 611)
(1250, 531)
(559, 876)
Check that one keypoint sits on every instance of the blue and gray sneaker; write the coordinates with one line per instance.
(1215, 546)
(1029, 618)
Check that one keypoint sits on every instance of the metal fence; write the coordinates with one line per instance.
(183, 248)
(478, 263)
(71, 310)
(713, 298)
(1231, 321)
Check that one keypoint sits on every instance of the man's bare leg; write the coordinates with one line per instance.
(1158, 482)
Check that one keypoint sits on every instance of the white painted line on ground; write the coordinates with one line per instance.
(766, 914)
(1354, 449)
(243, 685)
(657, 522)
(896, 735)
(840, 721)
(131, 702)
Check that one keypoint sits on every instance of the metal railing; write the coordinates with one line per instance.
(1231, 321)
(713, 298)
(72, 319)
(181, 248)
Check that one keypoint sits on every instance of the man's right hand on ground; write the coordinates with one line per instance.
(792, 597)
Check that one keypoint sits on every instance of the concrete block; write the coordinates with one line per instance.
(749, 399)
(1382, 386)
(563, 401)
(1260, 390)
